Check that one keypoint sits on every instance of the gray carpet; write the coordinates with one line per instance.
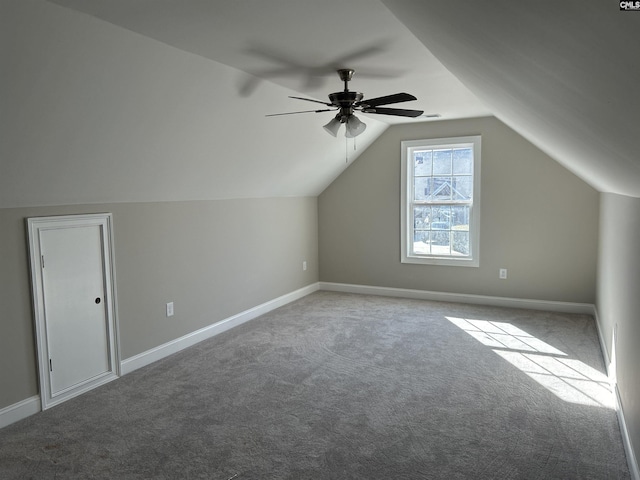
(340, 386)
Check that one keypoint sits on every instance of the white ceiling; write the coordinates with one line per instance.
(152, 100)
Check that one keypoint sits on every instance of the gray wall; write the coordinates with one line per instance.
(618, 298)
(213, 259)
(538, 220)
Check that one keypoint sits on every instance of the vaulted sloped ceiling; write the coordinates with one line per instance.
(151, 100)
(564, 74)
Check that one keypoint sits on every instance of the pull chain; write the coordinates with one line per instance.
(346, 150)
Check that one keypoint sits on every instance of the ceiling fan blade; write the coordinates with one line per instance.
(312, 100)
(386, 100)
(399, 112)
(303, 111)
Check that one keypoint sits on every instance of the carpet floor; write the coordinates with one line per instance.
(342, 386)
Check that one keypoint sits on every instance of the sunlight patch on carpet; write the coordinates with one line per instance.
(569, 379)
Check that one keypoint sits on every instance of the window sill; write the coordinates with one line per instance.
(450, 262)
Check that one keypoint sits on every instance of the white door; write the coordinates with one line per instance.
(73, 284)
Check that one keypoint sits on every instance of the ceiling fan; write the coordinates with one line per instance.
(347, 102)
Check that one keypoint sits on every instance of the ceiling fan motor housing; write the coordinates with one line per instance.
(345, 101)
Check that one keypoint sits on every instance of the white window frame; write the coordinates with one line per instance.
(407, 202)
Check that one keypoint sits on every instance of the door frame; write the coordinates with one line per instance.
(34, 226)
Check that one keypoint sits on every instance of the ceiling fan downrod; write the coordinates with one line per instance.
(346, 74)
(346, 99)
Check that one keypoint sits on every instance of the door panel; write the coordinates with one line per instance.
(73, 279)
(73, 282)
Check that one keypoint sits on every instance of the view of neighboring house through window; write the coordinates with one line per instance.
(440, 201)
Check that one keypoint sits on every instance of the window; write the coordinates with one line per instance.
(441, 201)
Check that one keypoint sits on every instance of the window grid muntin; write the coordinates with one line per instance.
(413, 202)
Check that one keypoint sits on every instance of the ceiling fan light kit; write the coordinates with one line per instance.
(333, 126)
(347, 102)
(354, 127)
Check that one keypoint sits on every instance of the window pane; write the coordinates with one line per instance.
(440, 217)
(441, 189)
(442, 162)
(460, 218)
(460, 245)
(421, 245)
(421, 188)
(420, 236)
(440, 242)
(421, 217)
(462, 161)
(422, 163)
(462, 187)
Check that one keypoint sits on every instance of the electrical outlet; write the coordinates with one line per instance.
(170, 309)
(304, 265)
(503, 274)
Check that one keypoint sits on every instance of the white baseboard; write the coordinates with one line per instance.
(545, 305)
(603, 347)
(145, 358)
(18, 411)
(632, 461)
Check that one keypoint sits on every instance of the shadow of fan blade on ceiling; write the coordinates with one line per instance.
(312, 75)
(348, 58)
